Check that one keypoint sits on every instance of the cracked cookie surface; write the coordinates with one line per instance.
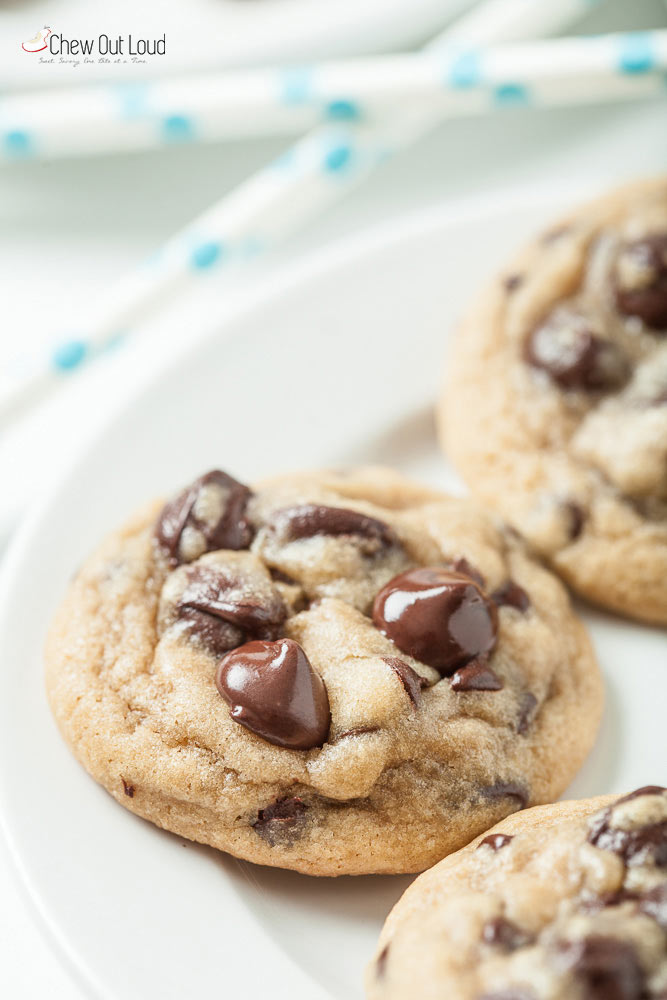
(561, 902)
(562, 364)
(269, 698)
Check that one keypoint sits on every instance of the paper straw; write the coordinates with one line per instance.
(263, 210)
(230, 105)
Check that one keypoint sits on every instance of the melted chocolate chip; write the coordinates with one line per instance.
(511, 595)
(506, 790)
(209, 514)
(503, 933)
(274, 692)
(220, 617)
(437, 616)
(637, 846)
(381, 962)
(576, 517)
(408, 677)
(654, 904)
(574, 357)
(641, 280)
(527, 706)
(606, 968)
(128, 788)
(463, 566)
(476, 676)
(496, 841)
(282, 822)
(309, 520)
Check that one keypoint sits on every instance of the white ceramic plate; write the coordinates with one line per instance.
(338, 362)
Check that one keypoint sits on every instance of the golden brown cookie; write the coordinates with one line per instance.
(333, 672)
(555, 404)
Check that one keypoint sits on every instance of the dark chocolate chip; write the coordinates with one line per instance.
(220, 617)
(638, 846)
(607, 968)
(576, 517)
(224, 527)
(574, 357)
(274, 692)
(463, 566)
(381, 962)
(280, 577)
(503, 933)
(527, 706)
(128, 788)
(408, 677)
(496, 841)
(437, 616)
(506, 790)
(511, 595)
(309, 520)
(641, 280)
(476, 676)
(512, 282)
(654, 904)
(282, 822)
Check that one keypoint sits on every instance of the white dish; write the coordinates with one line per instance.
(338, 362)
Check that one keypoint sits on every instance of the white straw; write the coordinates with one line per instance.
(288, 101)
(263, 210)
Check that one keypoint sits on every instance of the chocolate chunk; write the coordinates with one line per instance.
(128, 788)
(654, 904)
(408, 677)
(511, 595)
(221, 616)
(506, 790)
(495, 841)
(476, 676)
(640, 280)
(309, 520)
(209, 514)
(527, 706)
(503, 933)
(637, 846)
(573, 356)
(274, 692)
(282, 822)
(607, 968)
(381, 962)
(512, 282)
(438, 616)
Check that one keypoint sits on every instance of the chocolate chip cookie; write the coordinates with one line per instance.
(555, 405)
(562, 902)
(336, 672)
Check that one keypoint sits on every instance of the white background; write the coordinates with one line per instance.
(67, 229)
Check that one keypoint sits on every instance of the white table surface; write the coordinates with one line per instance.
(68, 228)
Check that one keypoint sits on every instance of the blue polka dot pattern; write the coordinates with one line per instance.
(343, 110)
(69, 355)
(18, 143)
(337, 158)
(177, 128)
(206, 255)
(511, 94)
(297, 84)
(636, 54)
(465, 71)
